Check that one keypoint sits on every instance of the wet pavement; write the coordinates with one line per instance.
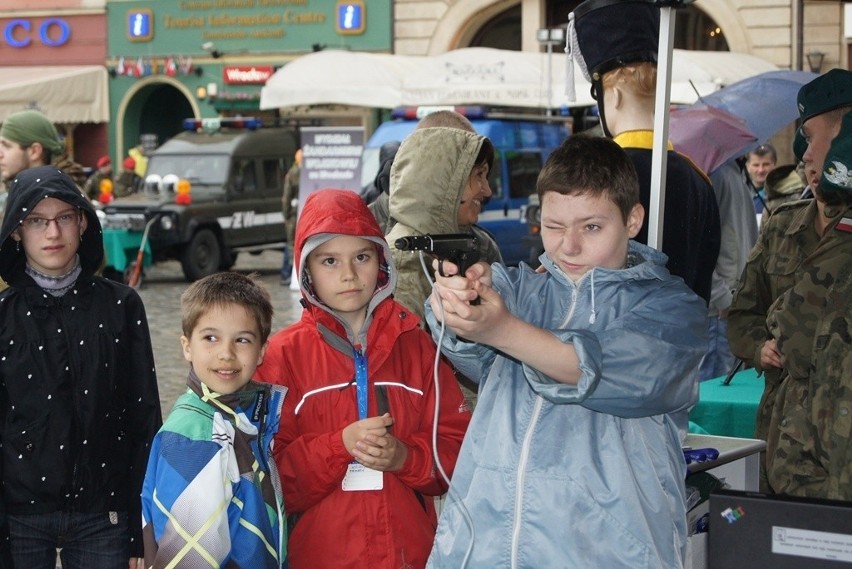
(161, 289)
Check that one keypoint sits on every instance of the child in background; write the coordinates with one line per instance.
(357, 461)
(586, 374)
(78, 392)
(220, 430)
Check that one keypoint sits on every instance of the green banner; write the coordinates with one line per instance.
(234, 27)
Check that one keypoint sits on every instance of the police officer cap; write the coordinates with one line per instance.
(837, 169)
(825, 93)
(609, 34)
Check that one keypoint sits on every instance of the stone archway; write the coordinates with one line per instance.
(155, 105)
(727, 16)
(456, 26)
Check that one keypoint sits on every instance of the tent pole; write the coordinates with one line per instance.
(659, 156)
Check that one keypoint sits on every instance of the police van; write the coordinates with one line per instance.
(210, 192)
(522, 143)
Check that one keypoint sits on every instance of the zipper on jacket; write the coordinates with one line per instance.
(570, 313)
(519, 480)
(265, 451)
(71, 501)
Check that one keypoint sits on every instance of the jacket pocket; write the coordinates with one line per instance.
(782, 269)
(32, 460)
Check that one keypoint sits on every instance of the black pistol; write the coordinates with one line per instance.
(462, 249)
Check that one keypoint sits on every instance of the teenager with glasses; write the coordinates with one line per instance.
(79, 403)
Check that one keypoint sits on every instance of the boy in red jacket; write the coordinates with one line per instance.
(357, 463)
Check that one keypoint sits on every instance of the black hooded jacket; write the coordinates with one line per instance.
(79, 403)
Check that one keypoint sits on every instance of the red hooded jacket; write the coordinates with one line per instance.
(389, 528)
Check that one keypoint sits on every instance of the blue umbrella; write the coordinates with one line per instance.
(766, 102)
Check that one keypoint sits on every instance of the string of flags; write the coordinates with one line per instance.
(145, 66)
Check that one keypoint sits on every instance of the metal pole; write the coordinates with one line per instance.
(659, 156)
(549, 76)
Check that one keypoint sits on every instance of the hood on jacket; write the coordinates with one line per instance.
(26, 190)
(328, 214)
(428, 178)
(784, 181)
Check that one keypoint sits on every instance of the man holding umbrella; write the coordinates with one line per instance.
(615, 44)
(796, 238)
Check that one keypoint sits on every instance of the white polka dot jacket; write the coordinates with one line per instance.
(79, 403)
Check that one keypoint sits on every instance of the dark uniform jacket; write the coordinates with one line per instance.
(691, 226)
(79, 403)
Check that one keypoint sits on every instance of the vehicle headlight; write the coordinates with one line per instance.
(167, 222)
(533, 215)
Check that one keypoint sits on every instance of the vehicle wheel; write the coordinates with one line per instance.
(201, 256)
(229, 259)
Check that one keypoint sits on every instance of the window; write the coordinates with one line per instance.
(273, 174)
(245, 179)
(523, 172)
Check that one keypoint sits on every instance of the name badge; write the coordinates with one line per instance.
(359, 478)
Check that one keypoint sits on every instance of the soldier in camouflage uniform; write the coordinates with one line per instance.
(791, 241)
(808, 444)
(289, 205)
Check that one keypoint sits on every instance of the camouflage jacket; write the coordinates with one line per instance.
(808, 444)
(73, 169)
(784, 248)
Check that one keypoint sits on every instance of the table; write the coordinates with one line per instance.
(738, 465)
(738, 462)
(121, 247)
(728, 410)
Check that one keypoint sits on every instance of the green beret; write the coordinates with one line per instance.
(825, 93)
(837, 169)
(27, 127)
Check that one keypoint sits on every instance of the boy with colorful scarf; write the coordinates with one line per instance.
(212, 495)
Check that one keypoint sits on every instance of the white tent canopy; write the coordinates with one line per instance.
(65, 94)
(474, 76)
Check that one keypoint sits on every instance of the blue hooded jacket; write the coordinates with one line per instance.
(586, 475)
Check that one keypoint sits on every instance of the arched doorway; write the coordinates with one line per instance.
(156, 111)
(503, 31)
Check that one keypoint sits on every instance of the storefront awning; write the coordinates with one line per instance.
(66, 94)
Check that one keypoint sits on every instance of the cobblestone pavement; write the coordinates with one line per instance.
(161, 289)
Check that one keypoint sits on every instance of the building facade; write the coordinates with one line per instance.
(52, 57)
(781, 31)
(152, 63)
(171, 60)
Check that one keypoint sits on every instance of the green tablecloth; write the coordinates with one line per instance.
(121, 247)
(728, 410)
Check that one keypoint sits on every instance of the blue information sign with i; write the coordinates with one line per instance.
(140, 25)
(351, 17)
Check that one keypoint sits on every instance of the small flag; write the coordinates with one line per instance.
(186, 66)
(845, 225)
(171, 67)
